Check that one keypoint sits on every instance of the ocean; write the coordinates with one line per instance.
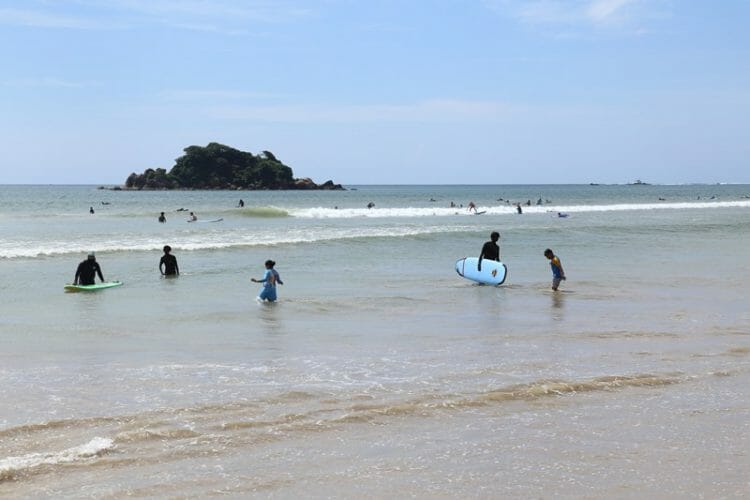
(380, 372)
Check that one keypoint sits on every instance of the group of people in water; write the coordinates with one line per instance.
(193, 216)
(491, 251)
(89, 269)
(472, 207)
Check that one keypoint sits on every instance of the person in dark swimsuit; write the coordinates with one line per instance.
(87, 271)
(168, 263)
(490, 250)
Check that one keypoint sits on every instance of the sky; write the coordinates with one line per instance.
(380, 91)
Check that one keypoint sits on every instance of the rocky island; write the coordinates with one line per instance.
(217, 166)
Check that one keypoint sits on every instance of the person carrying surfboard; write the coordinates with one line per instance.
(490, 250)
(87, 271)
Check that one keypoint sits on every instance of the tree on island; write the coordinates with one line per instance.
(217, 166)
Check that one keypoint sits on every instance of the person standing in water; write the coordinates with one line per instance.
(269, 280)
(558, 274)
(490, 250)
(162, 218)
(87, 271)
(168, 263)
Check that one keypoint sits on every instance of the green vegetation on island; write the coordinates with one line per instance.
(217, 166)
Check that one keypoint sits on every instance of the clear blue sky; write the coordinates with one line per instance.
(380, 92)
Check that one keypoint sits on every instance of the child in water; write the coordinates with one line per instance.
(557, 270)
(269, 280)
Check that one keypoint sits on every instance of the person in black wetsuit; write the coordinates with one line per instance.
(168, 263)
(490, 250)
(87, 271)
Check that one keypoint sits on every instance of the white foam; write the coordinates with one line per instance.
(401, 212)
(228, 239)
(95, 447)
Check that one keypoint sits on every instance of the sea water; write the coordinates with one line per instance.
(379, 372)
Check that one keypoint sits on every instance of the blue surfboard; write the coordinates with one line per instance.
(492, 273)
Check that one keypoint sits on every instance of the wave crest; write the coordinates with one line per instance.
(12, 466)
(263, 212)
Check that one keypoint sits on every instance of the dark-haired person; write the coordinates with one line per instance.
(490, 250)
(558, 274)
(87, 271)
(269, 280)
(168, 263)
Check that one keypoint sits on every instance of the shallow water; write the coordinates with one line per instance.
(379, 372)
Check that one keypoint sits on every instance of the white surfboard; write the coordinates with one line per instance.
(211, 220)
(492, 273)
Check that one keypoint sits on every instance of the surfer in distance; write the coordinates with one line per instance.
(168, 263)
(558, 274)
(269, 280)
(490, 250)
(471, 206)
(162, 218)
(193, 217)
(87, 271)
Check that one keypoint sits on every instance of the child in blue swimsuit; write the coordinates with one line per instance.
(558, 274)
(269, 280)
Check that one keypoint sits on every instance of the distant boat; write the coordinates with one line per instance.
(639, 182)
(593, 184)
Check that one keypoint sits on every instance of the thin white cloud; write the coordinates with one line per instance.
(203, 14)
(552, 12)
(231, 17)
(602, 11)
(431, 111)
(214, 95)
(48, 82)
(46, 19)
(577, 13)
